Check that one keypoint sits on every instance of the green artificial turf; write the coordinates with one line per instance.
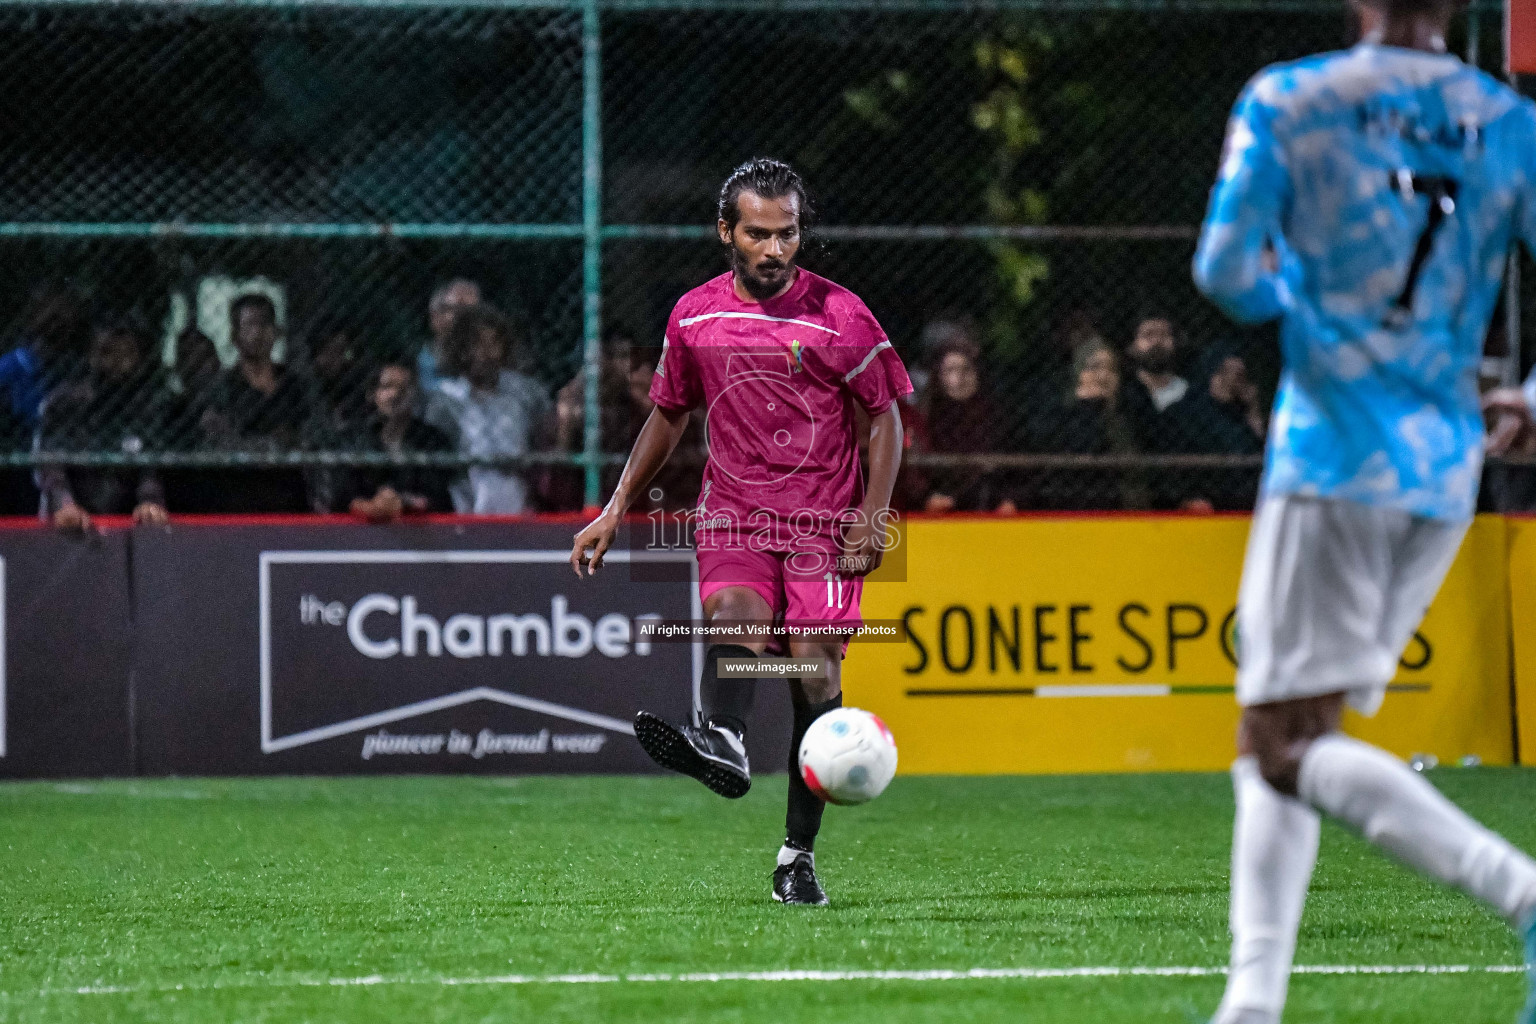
(253, 895)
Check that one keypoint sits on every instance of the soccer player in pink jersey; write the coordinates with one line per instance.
(786, 526)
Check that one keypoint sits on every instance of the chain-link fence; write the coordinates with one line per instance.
(1013, 187)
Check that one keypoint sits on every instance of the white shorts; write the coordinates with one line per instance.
(1332, 592)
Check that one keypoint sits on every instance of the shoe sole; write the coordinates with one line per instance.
(670, 748)
(801, 903)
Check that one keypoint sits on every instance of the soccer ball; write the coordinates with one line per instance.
(848, 756)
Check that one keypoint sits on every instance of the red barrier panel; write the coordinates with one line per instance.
(1522, 37)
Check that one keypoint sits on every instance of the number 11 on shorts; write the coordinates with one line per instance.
(834, 590)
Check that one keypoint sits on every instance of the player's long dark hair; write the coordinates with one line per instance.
(771, 179)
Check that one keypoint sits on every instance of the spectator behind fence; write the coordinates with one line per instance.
(1226, 418)
(938, 336)
(1232, 394)
(447, 300)
(385, 493)
(333, 357)
(1053, 370)
(565, 486)
(959, 419)
(489, 410)
(260, 407)
(117, 406)
(195, 370)
(676, 486)
(1089, 422)
(1158, 405)
(54, 337)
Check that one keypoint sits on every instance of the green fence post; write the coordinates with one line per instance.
(592, 240)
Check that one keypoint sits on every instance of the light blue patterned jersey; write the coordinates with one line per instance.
(1369, 197)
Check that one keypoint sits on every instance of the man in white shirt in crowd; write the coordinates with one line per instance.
(490, 410)
(447, 300)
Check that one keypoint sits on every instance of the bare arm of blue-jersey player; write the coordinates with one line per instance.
(1242, 258)
(1513, 410)
(1526, 224)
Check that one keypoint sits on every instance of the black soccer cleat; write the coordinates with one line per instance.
(796, 883)
(713, 755)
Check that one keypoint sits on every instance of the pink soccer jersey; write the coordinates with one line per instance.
(777, 381)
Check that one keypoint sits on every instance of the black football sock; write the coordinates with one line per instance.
(803, 820)
(726, 702)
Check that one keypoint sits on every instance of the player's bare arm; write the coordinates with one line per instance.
(658, 437)
(864, 542)
(1509, 420)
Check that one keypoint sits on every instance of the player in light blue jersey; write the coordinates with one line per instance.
(1368, 199)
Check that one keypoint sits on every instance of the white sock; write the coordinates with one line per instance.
(787, 855)
(1274, 848)
(1395, 808)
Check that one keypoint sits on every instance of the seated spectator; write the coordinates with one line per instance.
(676, 486)
(1050, 370)
(261, 407)
(960, 420)
(385, 493)
(114, 406)
(1154, 388)
(937, 336)
(613, 396)
(1232, 394)
(190, 489)
(446, 301)
(196, 370)
(624, 396)
(489, 410)
(1158, 405)
(54, 338)
(1089, 422)
(1225, 418)
(333, 358)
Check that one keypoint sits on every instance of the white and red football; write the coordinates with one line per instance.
(848, 756)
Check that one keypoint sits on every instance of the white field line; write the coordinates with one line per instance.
(937, 974)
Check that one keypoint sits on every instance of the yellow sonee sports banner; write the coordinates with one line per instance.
(1108, 644)
(1522, 593)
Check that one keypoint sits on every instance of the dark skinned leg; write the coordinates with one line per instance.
(1386, 802)
(739, 604)
(819, 691)
(1277, 735)
(812, 698)
(728, 702)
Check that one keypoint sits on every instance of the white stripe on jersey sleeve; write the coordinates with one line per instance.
(867, 360)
